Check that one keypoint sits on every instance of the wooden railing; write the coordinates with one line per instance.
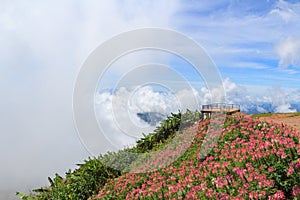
(220, 106)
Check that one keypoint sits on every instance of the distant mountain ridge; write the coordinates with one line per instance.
(152, 118)
(255, 108)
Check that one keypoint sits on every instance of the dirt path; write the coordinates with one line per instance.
(289, 119)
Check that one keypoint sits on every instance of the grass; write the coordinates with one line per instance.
(268, 114)
(262, 115)
(295, 114)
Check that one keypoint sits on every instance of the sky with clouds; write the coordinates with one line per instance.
(254, 44)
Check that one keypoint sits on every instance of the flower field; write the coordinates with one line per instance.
(239, 158)
(249, 160)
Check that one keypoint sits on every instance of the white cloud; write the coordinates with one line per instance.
(117, 112)
(295, 96)
(43, 44)
(242, 34)
(284, 10)
(280, 100)
(288, 51)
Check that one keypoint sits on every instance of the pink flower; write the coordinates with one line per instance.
(296, 191)
(247, 186)
(209, 193)
(191, 195)
(261, 167)
(279, 195)
(290, 171)
(271, 169)
(297, 165)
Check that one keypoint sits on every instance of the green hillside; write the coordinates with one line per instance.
(241, 158)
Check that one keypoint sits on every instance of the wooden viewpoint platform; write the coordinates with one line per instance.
(229, 109)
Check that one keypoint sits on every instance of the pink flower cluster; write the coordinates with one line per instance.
(296, 191)
(236, 167)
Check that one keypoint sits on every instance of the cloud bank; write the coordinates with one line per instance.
(115, 111)
(43, 45)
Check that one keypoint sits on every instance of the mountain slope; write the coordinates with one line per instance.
(251, 160)
(243, 158)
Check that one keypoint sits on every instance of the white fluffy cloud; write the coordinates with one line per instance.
(280, 100)
(240, 34)
(43, 44)
(284, 10)
(117, 112)
(288, 51)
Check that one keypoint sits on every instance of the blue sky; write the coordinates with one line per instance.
(43, 44)
(252, 42)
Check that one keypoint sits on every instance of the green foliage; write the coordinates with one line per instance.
(282, 180)
(295, 114)
(119, 160)
(246, 163)
(238, 157)
(167, 129)
(268, 114)
(160, 137)
(262, 115)
(93, 174)
(22, 196)
(79, 184)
